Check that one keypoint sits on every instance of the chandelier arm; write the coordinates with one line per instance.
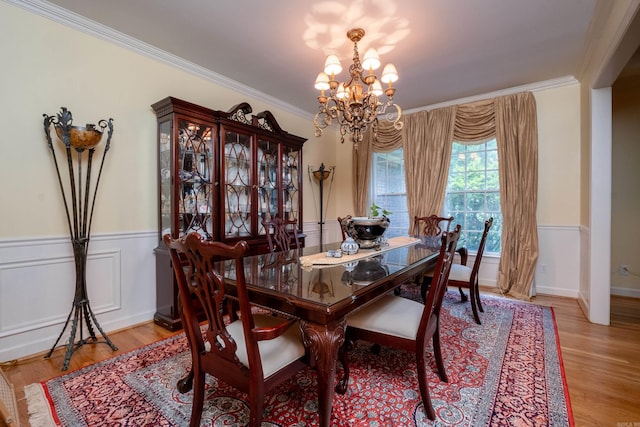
(321, 123)
(397, 124)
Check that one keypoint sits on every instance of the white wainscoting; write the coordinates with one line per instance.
(37, 285)
(330, 232)
(584, 295)
(557, 271)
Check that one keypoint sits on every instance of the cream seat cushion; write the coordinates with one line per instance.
(391, 315)
(460, 273)
(276, 353)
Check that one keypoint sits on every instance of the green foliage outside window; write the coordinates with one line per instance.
(473, 192)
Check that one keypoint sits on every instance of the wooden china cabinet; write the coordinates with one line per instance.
(219, 174)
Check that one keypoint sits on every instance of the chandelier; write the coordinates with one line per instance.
(356, 104)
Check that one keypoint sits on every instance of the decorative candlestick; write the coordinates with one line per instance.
(82, 141)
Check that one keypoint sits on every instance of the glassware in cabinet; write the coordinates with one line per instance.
(165, 167)
(237, 164)
(195, 164)
(267, 182)
(291, 195)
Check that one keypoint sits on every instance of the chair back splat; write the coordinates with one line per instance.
(252, 353)
(405, 324)
(285, 233)
(432, 225)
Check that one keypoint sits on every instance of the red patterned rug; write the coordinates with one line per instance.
(506, 372)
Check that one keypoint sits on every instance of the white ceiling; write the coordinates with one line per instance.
(443, 49)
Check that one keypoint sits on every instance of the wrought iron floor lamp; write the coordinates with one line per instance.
(82, 141)
(321, 175)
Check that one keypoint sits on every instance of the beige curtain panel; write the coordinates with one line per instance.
(517, 137)
(426, 139)
(427, 154)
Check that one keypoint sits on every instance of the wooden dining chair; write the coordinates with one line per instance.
(405, 324)
(463, 276)
(281, 234)
(254, 353)
(430, 229)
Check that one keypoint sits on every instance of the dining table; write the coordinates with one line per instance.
(323, 290)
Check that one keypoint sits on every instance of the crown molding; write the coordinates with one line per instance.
(88, 26)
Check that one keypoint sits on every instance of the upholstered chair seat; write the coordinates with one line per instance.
(460, 273)
(391, 315)
(275, 354)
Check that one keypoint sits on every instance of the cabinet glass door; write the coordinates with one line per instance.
(237, 184)
(290, 183)
(164, 134)
(267, 182)
(194, 176)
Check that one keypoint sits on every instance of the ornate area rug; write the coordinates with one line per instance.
(506, 372)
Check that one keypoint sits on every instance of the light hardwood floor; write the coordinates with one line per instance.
(602, 363)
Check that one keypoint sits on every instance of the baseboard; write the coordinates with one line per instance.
(625, 292)
(557, 292)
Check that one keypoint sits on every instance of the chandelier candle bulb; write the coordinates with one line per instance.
(371, 60)
(332, 66)
(355, 104)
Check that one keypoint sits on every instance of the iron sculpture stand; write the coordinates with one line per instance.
(83, 142)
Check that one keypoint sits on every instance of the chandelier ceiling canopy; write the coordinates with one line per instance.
(355, 104)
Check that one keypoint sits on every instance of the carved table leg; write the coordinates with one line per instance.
(324, 341)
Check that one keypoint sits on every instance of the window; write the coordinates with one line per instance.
(473, 193)
(388, 190)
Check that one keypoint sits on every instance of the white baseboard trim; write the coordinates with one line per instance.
(556, 292)
(625, 292)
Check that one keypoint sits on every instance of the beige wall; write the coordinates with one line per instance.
(558, 155)
(47, 65)
(625, 196)
(54, 66)
(51, 65)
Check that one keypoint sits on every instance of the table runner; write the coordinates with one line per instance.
(321, 258)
